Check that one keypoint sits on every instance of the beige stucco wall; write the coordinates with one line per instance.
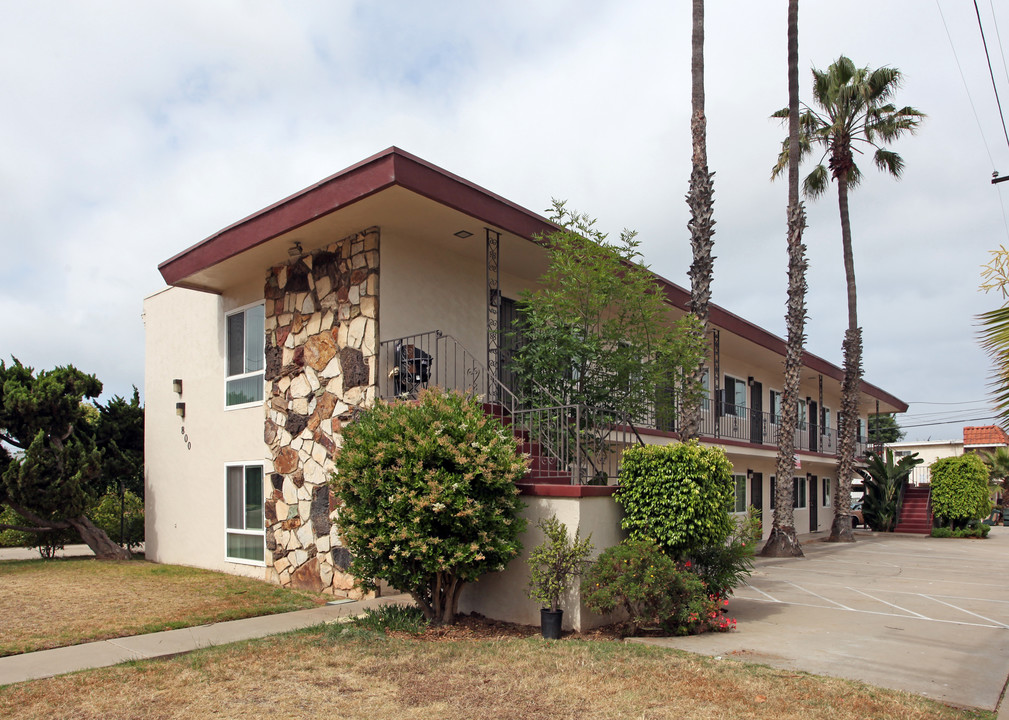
(502, 595)
(185, 482)
(442, 286)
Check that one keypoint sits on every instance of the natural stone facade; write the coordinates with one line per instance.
(321, 368)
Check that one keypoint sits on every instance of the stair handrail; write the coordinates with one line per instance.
(515, 405)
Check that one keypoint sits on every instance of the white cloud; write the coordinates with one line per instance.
(132, 130)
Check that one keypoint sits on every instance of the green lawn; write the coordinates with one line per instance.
(53, 603)
(345, 672)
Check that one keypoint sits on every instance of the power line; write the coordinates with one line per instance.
(928, 402)
(991, 73)
(950, 422)
(970, 99)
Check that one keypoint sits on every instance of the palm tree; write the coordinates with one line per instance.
(994, 332)
(783, 542)
(884, 485)
(854, 112)
(700, 201)
(998, 472)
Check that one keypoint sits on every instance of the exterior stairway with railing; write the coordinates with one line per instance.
(568, 444)
(915, 512)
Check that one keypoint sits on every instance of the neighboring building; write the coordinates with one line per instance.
(391, 274)
(984, 438)
(979, 439)
(929, 451)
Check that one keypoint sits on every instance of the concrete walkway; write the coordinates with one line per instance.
(908, 612)
(47, 663)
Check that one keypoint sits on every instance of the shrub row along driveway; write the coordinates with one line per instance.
(913, 613)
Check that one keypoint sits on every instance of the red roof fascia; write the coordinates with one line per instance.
(397, 167)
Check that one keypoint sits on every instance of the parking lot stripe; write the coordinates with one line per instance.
(768, 596)
(876, 612)
(861, 592)
(955, 607)
(826, 599)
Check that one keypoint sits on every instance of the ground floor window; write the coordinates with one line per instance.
(739, 502)
(798, 492)
(826, 492)
(246, 535)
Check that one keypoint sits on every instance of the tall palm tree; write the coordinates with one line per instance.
(994, 332)
(783, 541)
(700, 200)
(854, 112)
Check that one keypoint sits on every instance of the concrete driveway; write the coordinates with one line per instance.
(930, 616)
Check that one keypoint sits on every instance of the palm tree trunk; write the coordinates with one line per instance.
(700, 201)
(841, 530)
(782, 541)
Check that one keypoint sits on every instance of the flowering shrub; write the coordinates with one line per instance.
(655, 591)
(428, 497)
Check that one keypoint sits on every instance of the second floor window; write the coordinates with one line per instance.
(735, 397)
(775, 402)
(246, 356)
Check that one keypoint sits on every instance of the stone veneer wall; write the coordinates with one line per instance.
(321, 369)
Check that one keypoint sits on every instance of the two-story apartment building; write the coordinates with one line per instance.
(274, 332)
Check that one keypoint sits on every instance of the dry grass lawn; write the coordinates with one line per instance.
(343, 672)
(53, 603)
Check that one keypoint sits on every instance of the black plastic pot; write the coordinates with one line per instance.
(550, 623)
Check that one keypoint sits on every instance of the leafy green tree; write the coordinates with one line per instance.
(884, 484)
(677, 496)
(883, 429)
(428, 500)
(598, 333)
(960, 490)
(854, 111)
(54, 474)
(553, 564)
(119, 435)
(700, 200)
(783, 540)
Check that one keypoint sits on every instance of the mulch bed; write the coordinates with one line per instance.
(477, 627)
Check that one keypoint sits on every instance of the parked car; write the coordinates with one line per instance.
(856, 514)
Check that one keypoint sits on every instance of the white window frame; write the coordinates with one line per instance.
(774, 406)
(799, 492)
(738, 481)
(801, 415)
(825, 491)
(825, 430)
(245, 531)
(240, 376)
(738, 409)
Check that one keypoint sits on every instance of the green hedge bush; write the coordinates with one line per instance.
(960, 490)
(428, 497)
(678, 496)
(654, 591)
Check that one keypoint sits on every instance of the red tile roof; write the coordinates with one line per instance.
(985, 435)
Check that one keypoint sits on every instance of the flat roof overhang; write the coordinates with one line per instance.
(380, 187)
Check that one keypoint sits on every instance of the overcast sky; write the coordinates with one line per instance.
(132, 130)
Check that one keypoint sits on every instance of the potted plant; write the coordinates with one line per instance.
(552, 566)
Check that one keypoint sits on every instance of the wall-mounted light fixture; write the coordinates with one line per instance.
(177, 386)
(749, 474)
(295, 249)
(749, 381)
(463, 234)
(180, 410)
